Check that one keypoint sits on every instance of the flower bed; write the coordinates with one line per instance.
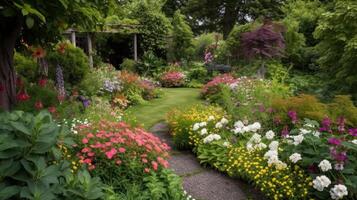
(308, 160)
(173, 79)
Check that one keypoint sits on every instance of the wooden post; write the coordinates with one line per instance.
(135, 47)
(90, 52)
(73, 38)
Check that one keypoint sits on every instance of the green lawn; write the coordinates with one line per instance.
(155, 110)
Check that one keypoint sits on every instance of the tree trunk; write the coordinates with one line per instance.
(229, 18)
(10, 29)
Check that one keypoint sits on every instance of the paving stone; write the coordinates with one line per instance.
(203, 183)
(185, 164)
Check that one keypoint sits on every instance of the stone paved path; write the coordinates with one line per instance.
(204, 183)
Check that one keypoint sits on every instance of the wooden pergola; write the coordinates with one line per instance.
(111, 29)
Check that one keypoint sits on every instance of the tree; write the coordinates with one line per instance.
(222, 15)
(263, 43)
(337, 30)
(181, 37)
(36, 22)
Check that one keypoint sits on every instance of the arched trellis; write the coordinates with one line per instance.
(109, 29)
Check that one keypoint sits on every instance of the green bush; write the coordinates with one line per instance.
(47, 95)
(197, 72)
(73, 61)
(201, 43)
(128, 65)
(32, 165)
(25, 66)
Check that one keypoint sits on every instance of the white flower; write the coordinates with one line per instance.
(210, 118)
(320, 182)
(274, 145)
(269, 135)
(226, 144)
(237, 130)
(216, 137)
(270, 154)
(224, 121)
(239, 124)
(316, 133)
(339, 166)
(249, 146)
(202, 124)
(295, 157)
(196, 126)
(211, 138)
(338, 191)
(204, 131)
(261, 146)
(273, 160)
(219, 125)
(245, 129)
(354, 141)
(254, 127)
(256, 138)
(304, 131)
(298, 139)
(309, 125)
(325, 165)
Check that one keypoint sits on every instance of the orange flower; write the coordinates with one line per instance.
(62, 48)
(38, 52)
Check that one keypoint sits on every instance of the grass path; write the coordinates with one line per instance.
(155, 110)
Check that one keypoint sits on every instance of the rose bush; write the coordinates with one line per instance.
(172, 79)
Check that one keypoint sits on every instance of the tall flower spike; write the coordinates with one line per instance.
(61, 92)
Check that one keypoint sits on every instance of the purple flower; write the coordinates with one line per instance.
(353, 132)
(293, 116)
(86, 103)
(270, 110)
(285, 131)
(60, 83)
(261, 108)
(334, 141)
(338, 156)
(326, 124)
(341, 124)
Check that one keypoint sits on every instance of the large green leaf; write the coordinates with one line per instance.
(7, 192)
(21, 127)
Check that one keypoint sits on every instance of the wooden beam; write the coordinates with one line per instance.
(90, 51)
(135, 47)
(73, 38)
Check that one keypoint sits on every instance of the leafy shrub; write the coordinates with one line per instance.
(172, 79)
(40, 97)
(119, 154)
(198, 73)
(201, 43)
(31, 163)
(212, 86)
(25, 66)
(73, 61)
(150, 65)
(308, 106)
(181, 121)
(128, 65)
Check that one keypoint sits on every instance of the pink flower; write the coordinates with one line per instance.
(91, 154)
(86, 149)
(118, 162)
(144, 160)
(122, 150)
(91, 167)
(87, 160)
(84, 140)
(154, 165)
(90, 135)
(146, 170)
(111, 153)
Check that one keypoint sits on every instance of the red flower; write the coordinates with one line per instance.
(52, 109)
(84, 140)
(38, 105)
(39, 52)
(22, 96)
(42, 82)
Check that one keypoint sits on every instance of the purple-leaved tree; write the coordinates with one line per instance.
(264, 43)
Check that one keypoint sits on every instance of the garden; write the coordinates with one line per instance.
(178, 99)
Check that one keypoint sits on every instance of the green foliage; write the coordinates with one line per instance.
(73, 61)
(128, 65)
(337, 31)
(182, 36)
(25, 66)
(150, 65)
(308, 106)
(164, 185)
(214, 154)
(31, 161)
(155, 26)
(201, 43)
(47, 95)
